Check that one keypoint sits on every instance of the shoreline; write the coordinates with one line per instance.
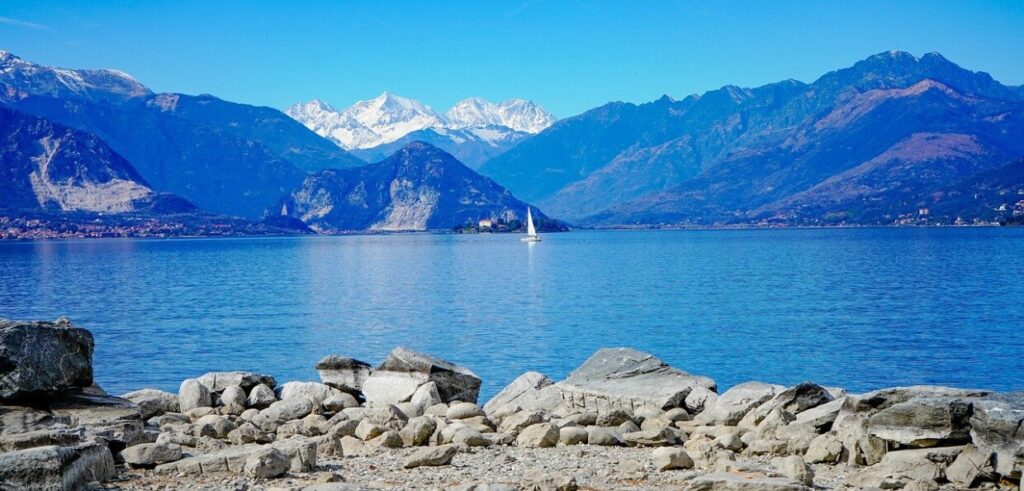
(623, 419)
(366, 233)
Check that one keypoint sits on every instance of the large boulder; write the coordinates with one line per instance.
(924, 422)
(344, 373)
(736, 402)
(56, 467)
(997, 428)
(218, 381)
(530, 390)
(112, 419)
(624, 378)
(43, 357)
(404, 371)
(153, 402)
(192, 394)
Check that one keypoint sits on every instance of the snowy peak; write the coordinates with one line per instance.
(516, 114)
(37, 79)
(388, 118)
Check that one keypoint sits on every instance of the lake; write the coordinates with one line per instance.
(859, 308)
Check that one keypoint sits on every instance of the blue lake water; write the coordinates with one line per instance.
(858, 308)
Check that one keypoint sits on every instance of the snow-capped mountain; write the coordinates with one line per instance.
(474, 130)
(25, 78)
(517, 114)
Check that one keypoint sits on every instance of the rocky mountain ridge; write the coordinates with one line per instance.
(868, 144)
(419, 187)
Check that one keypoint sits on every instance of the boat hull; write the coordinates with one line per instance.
(530, 239)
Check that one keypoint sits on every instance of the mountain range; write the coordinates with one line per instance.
(473, 130)
(879, 142)
(227, 158)
(893, 139)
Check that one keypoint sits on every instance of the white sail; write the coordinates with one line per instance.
(530, 231)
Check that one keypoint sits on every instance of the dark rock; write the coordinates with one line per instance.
(112, 419)
(344, 373)
(43, 357)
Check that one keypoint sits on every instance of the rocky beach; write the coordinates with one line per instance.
(622, 420)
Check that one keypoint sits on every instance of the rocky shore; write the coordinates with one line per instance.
(622, 420)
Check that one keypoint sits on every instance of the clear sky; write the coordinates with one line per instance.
(567, 56)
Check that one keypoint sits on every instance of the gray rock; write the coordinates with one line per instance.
(538, 480)
(339, 401)
(153, 402)
(796, 469)
(463, 410)
(266, 463)
(613, 417)
(367, 430)
(997, 427)
(541, 435)
(530, 390)
(314, 391)
(56, 467)
(736, 402)
(260, 397)
(791, 402)
(218, 381)
(43, 357)
(404, 371)
(572, 435)
(426, 396)
(862, 448)
(650, 438)
(109, 418)
(343, 373)
(300, 453)
(281, 411)
(39, 438)
(923, 422)
(623, 378)
(248, 433)
(699, 398)
(193, 394)
(824, 449)
(431, 456)
(233, 395)
(667, 458)
(417, 431)
(604, 437)
(516, 422)
(149, 454)
(727, 481)
(971, 466)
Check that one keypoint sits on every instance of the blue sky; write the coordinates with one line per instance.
(567, 56)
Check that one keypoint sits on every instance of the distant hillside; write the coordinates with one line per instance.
(49, 167)
(227, 158)
(420, 187)
(869, 144)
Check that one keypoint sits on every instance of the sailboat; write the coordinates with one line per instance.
(531, 232)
